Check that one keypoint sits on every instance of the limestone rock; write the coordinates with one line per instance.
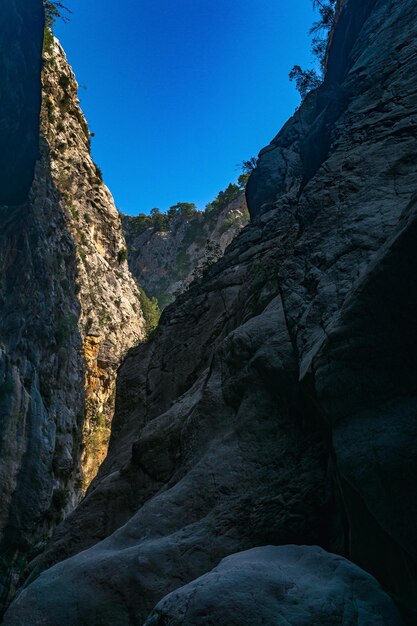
(279, 586)
(69, 311)
(165, 262)
(110, 319)
(275, 404)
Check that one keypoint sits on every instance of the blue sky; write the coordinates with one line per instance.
(178, 92)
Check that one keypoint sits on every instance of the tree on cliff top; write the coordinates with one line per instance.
(246, 168)
(322, 28)
(54, 11)
(185, 209)
(223, 199)
(307, 80)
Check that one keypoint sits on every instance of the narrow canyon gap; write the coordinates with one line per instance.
(266, 430)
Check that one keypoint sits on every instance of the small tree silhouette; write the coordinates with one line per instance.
(246, 168)
(307, 80)
(54, 11)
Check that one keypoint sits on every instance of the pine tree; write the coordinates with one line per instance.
(307, 80)
(54, 11)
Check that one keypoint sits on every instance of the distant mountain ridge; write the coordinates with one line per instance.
(164, 262)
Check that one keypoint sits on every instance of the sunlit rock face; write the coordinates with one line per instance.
(69, 311)
(276, 402)
(110, 319)
(165, 262)
(21, 36)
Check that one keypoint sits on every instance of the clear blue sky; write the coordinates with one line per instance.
(180, 91)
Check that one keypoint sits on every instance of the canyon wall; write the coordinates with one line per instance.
(69, 311)
(276, 402)
(110, 319)
(21, 36)
(165, 262)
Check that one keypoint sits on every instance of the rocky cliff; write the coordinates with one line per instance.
(164, 262)
(110, 319)
(276, 402)
(69, 311)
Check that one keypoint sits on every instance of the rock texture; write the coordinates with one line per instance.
(275, 586)
(165, 262)
(21, 36)
(276, 402)
(69, 311)
(110, 319)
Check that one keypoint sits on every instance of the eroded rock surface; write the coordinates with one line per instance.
(276, 402)
(69, 311)
(279, 586)
(110, 319)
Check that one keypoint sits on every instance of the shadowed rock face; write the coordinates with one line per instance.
(21, 37)
(295, 585)
(303, 145)
(276, 402)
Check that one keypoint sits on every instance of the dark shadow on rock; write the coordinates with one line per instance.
(41, 375)
(21, 39)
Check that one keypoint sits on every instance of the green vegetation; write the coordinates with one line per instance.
(247, 168)
(307, 80)
(138, 224)
(6, 387)
(49, 105)
(151, 312)
(233, 220)
(195, 233)
(160, 221)
(54, 11)
(103, 317)
(64, 327)
(185, 209)
(48, 41)
(122, 255)
(99, 173)
(74, 212)
(224, 198)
